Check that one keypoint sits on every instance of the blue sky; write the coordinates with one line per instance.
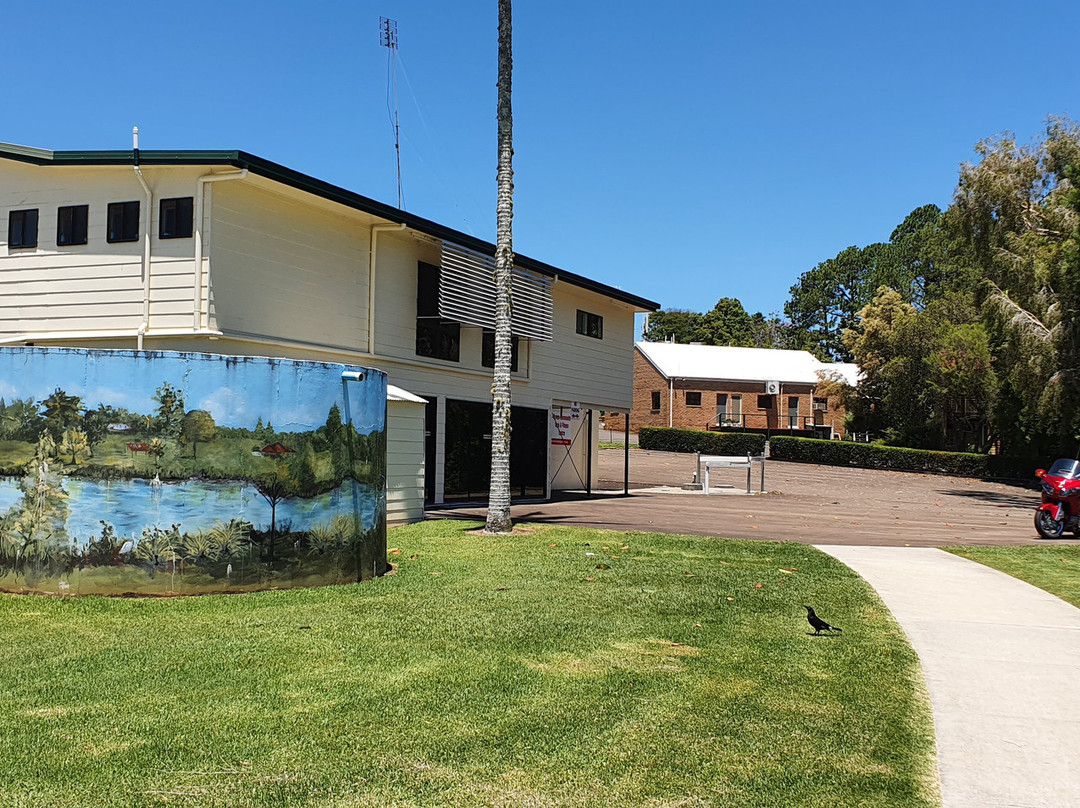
(683, 152)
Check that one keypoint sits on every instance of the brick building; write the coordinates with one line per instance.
(720, 387)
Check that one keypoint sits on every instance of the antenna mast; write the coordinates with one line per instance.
(388, 39)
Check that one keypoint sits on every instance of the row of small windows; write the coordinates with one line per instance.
(766, 401)
(122, 223)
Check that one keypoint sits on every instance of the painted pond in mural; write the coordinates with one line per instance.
(195, 505)
(176, 479)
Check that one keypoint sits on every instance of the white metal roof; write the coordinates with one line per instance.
(726, 363)
(394, 393)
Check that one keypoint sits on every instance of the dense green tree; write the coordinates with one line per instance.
(170, 411)
(61, 413)
(21, 419)
(826, 300)
(197, 427)
(674, 325)
(927, 377)
(305, 470)
(95, 424)
(1017, 212)
(727, 323)
(75, 445)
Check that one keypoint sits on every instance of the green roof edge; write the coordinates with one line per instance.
(304, 182)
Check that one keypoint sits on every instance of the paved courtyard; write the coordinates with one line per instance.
(806, 503)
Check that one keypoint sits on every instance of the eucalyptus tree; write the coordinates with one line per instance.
(1018, 209)
(498, 514)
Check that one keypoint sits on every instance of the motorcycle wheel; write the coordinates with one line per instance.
(1048, 527)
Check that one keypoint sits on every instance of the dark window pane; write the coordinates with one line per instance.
(22, 228)
(123, 223)
(656, 400)
(81, 220)
(131, 221)
(177, 216)
(427, 291)
(591, 325)
(71, 225)
(438, 338)
(30, 228)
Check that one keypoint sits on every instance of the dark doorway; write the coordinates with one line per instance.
(468, 451)
(431, 425)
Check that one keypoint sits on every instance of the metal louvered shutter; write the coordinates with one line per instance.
(467, 294)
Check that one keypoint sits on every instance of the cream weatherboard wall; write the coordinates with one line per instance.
(285, 273)
(284, 269)
(404, 457)
(100, 284)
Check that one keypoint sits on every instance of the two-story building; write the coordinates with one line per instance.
(716, 387)
(225, 252)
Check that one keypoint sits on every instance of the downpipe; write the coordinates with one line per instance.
(145, 324)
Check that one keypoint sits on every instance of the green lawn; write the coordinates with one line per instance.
(486, 671)
(1055, 569)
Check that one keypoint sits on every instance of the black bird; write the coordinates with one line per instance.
(816, 622)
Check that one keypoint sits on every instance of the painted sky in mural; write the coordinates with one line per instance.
(208, 383)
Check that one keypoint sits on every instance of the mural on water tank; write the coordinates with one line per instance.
(157, 472)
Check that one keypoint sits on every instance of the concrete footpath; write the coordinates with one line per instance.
(1002, 664)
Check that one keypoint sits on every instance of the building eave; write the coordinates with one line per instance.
(304, 182)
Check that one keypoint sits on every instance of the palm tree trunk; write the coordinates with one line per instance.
(498, 515)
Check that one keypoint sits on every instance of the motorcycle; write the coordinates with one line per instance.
(1060, 509)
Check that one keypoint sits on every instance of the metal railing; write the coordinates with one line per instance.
(761, 421)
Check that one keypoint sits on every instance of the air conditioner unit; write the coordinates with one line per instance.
(772, 388)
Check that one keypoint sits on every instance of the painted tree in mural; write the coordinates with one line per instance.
(170, 411)
(61, 413)
(95, 424)
(197, 427)
(35, 526)
(74, 445)
(274, 487)
(20, 419)
(498, 515)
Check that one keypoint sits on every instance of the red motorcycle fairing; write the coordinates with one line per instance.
(1053, 508)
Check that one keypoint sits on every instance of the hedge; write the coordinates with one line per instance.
(662, 439)
(897, 458)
